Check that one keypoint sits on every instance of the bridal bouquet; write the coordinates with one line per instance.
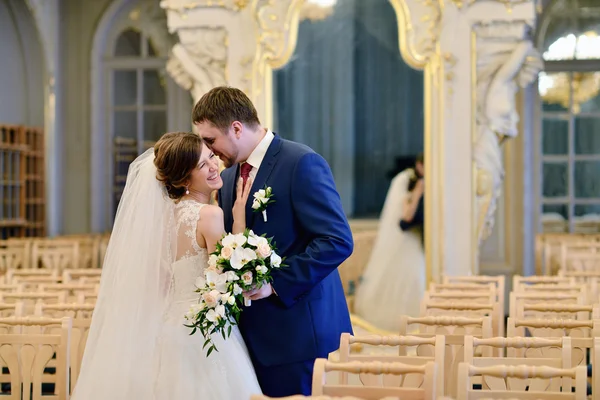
(241, 262)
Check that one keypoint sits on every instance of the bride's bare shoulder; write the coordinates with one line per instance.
(210, 213)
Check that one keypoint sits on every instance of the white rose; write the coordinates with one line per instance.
(262, 269)
(210, 299)
(241, 257)
(247, 278)
(226, 252)
(275, 260)
(263, 250)
(255, 204)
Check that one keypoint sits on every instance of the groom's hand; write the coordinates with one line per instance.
(257, 294)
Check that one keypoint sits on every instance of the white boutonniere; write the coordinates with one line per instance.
(262, 199)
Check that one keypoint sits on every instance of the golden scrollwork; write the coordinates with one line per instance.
(509, 4)
(418, 42)
(234, 5)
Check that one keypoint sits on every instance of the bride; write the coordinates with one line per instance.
(393, 283)
(138, 346)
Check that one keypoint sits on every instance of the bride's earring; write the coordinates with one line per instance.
(187, 191)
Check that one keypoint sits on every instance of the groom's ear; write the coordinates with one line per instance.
(237, 128)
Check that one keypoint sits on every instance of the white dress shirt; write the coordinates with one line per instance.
(257, 156)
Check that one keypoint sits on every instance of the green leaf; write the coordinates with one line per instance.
(210, 351)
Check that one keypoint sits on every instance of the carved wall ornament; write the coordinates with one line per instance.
(449, 63)
(183, 6)
(147, 16)
(509, 4)
(506, 61)
(199, 61)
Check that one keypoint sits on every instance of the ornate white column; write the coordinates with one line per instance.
(488, 55)
(47, 17)
(474, 54)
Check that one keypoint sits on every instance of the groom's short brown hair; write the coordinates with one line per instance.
(222, 105)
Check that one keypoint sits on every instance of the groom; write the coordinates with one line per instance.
(300, 316)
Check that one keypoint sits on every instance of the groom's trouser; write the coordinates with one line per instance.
(286, 380)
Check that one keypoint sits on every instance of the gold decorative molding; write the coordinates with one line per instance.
(183, 6)
(277, 33)
(509, 4)
(449, 63)
(418, 30)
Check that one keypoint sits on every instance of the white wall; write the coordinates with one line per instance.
(21, 66)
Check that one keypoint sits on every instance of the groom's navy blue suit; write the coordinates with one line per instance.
(286, 332)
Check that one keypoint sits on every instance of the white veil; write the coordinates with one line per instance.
(394, 279)
(120, 360)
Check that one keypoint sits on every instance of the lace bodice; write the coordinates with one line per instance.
(190, 258)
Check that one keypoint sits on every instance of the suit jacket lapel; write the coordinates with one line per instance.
(264, 171)
(229, 194)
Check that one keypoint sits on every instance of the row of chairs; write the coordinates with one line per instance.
(65, 252)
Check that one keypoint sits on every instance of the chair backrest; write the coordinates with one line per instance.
(27, 356)
(427, 349)
(427, 391)
(580, 332)
(466, 373)
(454, 329)
(498, 281)
(532, 352)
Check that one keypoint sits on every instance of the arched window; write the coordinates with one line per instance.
(569, 89)
(137, 105)
(139, 102)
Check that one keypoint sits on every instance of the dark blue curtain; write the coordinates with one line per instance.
(348, 94)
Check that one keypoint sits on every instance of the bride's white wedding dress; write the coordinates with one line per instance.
(138, 346)
(184, 370)
(393, 282)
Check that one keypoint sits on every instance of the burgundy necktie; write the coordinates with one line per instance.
(245, 173)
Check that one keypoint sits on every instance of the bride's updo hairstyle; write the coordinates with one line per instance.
(176, 154)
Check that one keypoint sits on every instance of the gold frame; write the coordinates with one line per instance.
(268, 58)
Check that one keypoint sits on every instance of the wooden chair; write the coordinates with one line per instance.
(28, 355)
(321, 386)
(454, 330)
(81, 315)
(427, 350)
(54, 254)
(499, 283)
(467, 372)
(546, 352)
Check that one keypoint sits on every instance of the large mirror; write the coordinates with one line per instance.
(348, 94)
(569, 89)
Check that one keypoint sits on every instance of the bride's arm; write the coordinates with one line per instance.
(210, 227)
(411, 202)
(239, 208)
